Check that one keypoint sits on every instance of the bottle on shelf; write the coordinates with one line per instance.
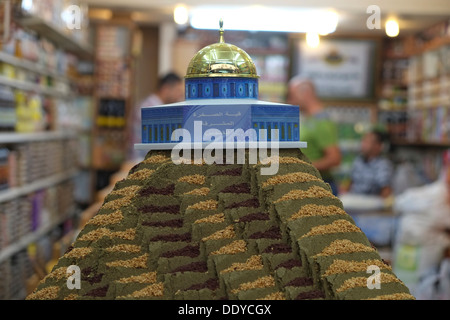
(111, 114)
(102, 113)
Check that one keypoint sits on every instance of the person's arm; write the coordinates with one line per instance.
(347, 184)
(386, 192)
(331, 154)
(384, 177)
(345, 187)
(331, 158)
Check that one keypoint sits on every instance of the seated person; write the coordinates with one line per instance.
(372, 172)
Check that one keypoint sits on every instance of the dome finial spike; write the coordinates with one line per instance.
(221, 40)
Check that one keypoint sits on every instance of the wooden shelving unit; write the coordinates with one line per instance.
(113, 94)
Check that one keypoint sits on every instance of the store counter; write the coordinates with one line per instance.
(376, 218)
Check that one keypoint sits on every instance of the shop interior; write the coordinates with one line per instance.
(73, 73)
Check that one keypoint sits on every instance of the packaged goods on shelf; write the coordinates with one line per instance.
(34, 215)
(83, 184)
(4, 168)
(30, 113)
(84, 154)
(85, 84)
(29, 52)
(429, 96)
(273, 70)
(38, 153)
(113, 42)
(114, 78)
(20, 273)
(76, 114)
(111, 114)
(29, 162)
(113, 68)
(13, 274)
(22, 215)
(58, 15)
(429, 125)
(427, 165)
(108, 149)
(7, 109)
(396, 123)
(15, 220)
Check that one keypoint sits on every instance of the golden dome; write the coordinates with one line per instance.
(221, 60)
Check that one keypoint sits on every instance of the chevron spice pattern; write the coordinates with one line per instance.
(198, 231)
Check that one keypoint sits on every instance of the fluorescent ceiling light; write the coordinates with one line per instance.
(260, 18)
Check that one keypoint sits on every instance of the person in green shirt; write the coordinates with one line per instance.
(316, 128)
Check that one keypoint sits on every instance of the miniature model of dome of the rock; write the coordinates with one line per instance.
(221, 231)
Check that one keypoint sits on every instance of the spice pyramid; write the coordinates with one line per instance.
(199, 231)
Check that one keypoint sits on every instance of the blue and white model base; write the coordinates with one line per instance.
(213, 120)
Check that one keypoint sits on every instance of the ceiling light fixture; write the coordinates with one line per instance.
(312, 39)
(27, 5)
(181, 14)
(261, 18)
(392, 28)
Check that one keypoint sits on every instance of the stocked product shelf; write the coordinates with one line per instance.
(53, 33)
(30, 66)
(33, 236)
(37, 185)
(11, 138)
(422, 144)
(28, 86)
(39, 170)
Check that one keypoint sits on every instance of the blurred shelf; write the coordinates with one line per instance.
(55, 34)
(406, 143)
(15, 137)
(391, 55)
(30, 66)
(422, 79)
(433, 45)
(24, 241)
(394, 94)
(28, 86)
(394, 109)
(423, 106)
(15, 192)
(394, 83)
